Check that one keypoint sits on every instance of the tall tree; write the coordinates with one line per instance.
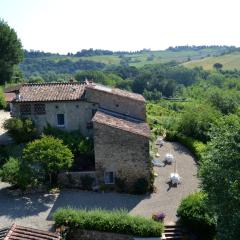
(11, 52)
(220, 173)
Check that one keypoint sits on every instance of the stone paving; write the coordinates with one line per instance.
(36, 210)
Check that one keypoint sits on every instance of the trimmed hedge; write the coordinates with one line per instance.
(117, 221)
(195, 146)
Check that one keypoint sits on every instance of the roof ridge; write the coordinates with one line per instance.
(52, 83)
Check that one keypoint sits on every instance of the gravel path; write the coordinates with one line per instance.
(36, 210)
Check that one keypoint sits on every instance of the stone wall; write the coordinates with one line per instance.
(124, 153)
(73, 179)
(117, 103)
(96, 235)
(77, 115)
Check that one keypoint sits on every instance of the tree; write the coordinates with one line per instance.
(48, 155)
(11, 52)
(220, 175)
(217, 66)
(21, 130)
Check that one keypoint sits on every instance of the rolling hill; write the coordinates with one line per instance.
(229, 61)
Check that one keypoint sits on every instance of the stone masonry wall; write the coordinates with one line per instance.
(117, 103)
(96, 235)
(122, 152)
(77, 114)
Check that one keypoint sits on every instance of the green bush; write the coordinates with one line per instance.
(194, 214)
(120, 184)
(117, 221)
(20, 130)
(140, 186)
(15, 173)
(74, 140)
(87, 182)
(196, 147)
(3, 103)
(10, 171)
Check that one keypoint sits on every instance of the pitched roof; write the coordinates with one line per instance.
(50, 92)
(3, 233)
(9, 96)
(19, 233)
(116, 91)
(122, 122)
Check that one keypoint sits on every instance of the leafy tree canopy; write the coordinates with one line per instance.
(11, 52)
(220, 174)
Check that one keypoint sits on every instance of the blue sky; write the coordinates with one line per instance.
(71, 25)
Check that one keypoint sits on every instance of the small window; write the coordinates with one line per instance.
(60, 120)
(25, 109)
(39, 108)
(109, 178)
(89, 125)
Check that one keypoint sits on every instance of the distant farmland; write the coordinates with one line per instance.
(229, 61)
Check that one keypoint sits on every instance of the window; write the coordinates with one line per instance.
(89, 125)
(109, 178)
(39, 108)
(60, 120)
(25, 109)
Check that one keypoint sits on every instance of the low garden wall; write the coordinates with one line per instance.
(96, 235)
(74, 179)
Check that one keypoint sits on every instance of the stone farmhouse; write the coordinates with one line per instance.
(115, 119)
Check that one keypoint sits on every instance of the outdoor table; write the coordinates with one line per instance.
(175, 178)
(169, 158)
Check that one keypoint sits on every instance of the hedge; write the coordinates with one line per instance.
(117, 221)
(195, 146)
(194, 214)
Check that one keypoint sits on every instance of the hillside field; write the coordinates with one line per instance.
(229, 61)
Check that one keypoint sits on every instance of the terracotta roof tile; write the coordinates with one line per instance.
(50, 92)
(123, 122)
(116, 91)
(19, 233)
(9, 96)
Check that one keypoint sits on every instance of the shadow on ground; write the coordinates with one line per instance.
(22, 206)
(93, 200)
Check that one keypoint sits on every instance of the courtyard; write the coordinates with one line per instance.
(36, 210)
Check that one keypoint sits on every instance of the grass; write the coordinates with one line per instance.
(117, 221)
(229, 61)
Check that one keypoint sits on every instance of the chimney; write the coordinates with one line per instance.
(18, 96)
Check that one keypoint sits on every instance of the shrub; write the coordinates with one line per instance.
(48, 155)
(74, 140)
(140, 186)
(10, 171)
(117, 221)
(20, 130)
(87, 182)
(3, 103)
(194, 214)
(14, 172)
(196, 147)
(120, 185)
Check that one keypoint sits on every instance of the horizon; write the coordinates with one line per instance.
(60, 26)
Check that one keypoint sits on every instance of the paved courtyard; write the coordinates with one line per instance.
(36, 210)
